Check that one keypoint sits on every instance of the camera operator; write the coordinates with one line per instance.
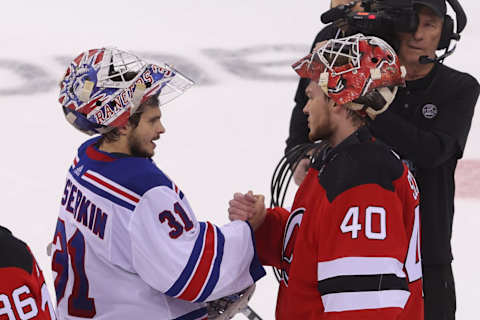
(427, 124)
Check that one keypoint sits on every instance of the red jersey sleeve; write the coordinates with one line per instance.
(269, 237)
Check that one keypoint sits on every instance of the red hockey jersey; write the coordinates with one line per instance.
(23, 292)
(349, 248)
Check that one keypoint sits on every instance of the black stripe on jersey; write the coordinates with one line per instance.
(358, 283)
(358, 161)
(14, 252)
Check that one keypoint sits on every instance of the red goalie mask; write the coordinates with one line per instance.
(349, 68)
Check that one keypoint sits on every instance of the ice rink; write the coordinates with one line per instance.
(224, 135)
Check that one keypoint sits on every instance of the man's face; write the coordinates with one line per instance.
(422, 42)
(318, 111)
(149, 129)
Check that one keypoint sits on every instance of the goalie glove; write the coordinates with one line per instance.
(227, 307)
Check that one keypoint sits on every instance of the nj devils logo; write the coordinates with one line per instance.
(291, 230)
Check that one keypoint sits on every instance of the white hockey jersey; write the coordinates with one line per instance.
(127, 245)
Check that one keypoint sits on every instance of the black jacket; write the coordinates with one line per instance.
(428, 124)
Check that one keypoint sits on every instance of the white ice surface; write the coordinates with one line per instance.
(224, 135)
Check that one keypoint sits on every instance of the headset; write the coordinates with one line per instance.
(448, 33)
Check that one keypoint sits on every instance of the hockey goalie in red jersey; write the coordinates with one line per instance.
(23, 292)
(349, 247)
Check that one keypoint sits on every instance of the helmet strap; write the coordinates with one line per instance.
(388, 95)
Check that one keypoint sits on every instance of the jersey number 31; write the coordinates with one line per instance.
(79, 303)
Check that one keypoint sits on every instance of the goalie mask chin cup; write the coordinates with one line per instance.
(102, 88)
(350, 68)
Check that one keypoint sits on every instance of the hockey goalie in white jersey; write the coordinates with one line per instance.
(127, 245)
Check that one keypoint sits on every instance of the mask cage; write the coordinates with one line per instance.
(336, 51)
(116, 68)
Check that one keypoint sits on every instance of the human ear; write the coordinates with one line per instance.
(125, 129)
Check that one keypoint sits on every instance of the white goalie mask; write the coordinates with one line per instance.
(102, 88)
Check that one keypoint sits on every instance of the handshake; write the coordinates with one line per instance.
(247, 207)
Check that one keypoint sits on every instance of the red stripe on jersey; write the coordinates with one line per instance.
(75, 162)
(113, 188)
(201, 273)
(95, 155)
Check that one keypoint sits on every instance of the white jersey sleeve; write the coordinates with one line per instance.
(188, 259)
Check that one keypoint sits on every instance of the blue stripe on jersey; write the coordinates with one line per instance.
(256, 269)
(194, 315)
(192, 262)
(215, 274)
(101, 192)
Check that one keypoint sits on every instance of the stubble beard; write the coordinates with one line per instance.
(136, 150)
(320, 133)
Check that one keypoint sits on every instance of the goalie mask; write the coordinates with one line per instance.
(358, 71)
(102, 88)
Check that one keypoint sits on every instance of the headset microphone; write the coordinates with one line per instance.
(427, 59)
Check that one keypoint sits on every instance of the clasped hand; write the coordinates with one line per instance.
(247, 207)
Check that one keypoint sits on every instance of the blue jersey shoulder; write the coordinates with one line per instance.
(137, 174)
(134, 173)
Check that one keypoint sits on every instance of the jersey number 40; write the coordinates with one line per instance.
(351, 224)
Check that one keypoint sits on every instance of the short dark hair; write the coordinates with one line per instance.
(356, 117)
(114, 134)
